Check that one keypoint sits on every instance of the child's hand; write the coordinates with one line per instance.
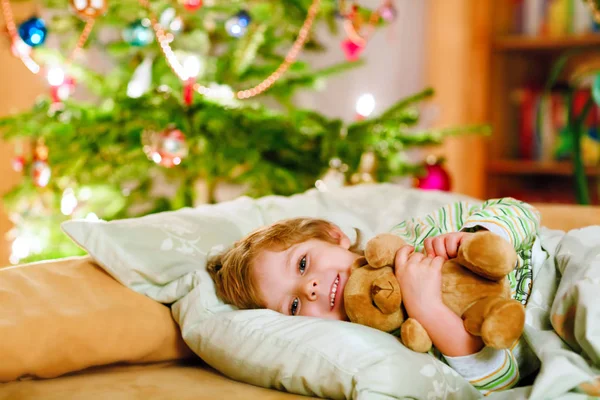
(420, 279)
(445, 246)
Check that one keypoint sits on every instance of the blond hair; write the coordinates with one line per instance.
(232, 271)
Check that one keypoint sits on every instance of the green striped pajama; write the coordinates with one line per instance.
(489, 370)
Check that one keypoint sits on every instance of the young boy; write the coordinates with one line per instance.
(300, 267)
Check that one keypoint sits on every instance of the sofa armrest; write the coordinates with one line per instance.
(567, 216)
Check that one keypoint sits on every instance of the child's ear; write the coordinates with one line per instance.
(341, 238)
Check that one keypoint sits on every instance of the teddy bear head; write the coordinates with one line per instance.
(372, 297)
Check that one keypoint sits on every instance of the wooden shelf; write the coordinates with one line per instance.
(526, 43)
(525, 167)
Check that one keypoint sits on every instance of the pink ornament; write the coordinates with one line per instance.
(436, 178)
(192, 5)
(352, 50)
(388, 12)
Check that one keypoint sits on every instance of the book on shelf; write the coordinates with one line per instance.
(542, 125)
(552, 18)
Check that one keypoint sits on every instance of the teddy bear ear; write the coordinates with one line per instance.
(359, 262)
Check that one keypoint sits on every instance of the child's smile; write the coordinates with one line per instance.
(306, 279)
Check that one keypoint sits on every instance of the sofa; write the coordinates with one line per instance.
(58, 341)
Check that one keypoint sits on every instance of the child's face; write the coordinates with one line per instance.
(306, 279)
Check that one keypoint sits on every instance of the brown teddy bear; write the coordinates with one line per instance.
(474, 285)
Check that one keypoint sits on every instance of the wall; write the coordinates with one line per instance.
(457, 64)
(18, 89)
(394, 64)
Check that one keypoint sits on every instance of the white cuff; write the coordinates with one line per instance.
(478, 365)
(490, 227)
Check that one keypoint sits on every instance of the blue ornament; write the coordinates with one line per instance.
(243, 18)
(237, 25)
(138, 33)
(33, 31)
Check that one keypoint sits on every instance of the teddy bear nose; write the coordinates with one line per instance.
(374, 290)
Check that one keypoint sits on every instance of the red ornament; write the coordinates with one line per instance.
(40, 169)
(436, 178)
(192, 5)
(40, 173)
(63, 91)
(352, 50)
(167, 148)
(18, 163)
(188, 91)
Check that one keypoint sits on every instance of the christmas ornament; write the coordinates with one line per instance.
(33, 31)
(594, 10)
(40, 169)
(63, 91)
(388, 12)
(18, 163)
(188, 91)
(366, 169)
(139, 33)
(244, 18)
(141, 80)
(436, 177)
(192, 5)
(89, 8)
(40, 173)
(237, 25)
(334, 178)
(167, 148)
(357, 30)
(352, 50)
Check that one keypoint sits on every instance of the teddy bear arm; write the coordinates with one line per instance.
(488, 255)
(414, 336)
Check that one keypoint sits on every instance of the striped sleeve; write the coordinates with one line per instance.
(449, 218)
(516, 221)
(490, 370)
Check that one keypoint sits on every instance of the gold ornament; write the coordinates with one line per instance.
(334, 178)
(89, 8)
(366, 169)
(594, 9)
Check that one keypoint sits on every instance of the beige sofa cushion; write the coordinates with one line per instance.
(67, 315)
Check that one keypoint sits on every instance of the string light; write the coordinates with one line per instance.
(56, 76)
(365, 105)
(68, 202)
(164, 39)
(290, 57)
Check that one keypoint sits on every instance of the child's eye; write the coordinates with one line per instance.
(294, 307)
(302, 265)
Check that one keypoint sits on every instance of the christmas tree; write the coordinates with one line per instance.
(182, 106)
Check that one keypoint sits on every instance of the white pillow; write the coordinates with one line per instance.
(164, 256)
